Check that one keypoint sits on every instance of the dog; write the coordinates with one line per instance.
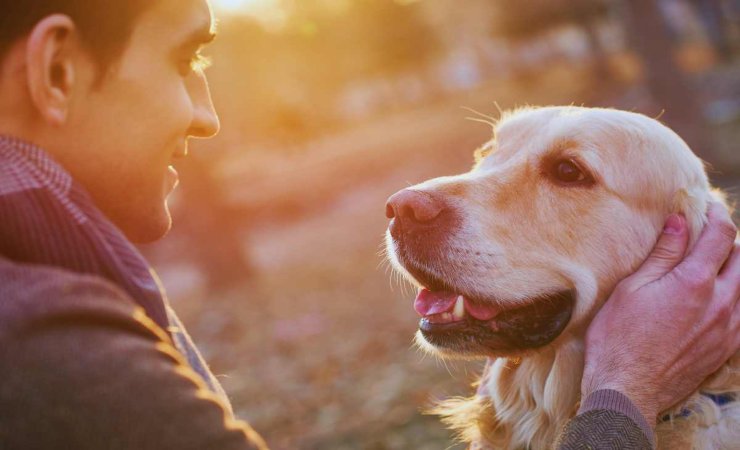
(514, 258)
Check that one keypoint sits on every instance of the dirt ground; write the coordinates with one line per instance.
(315, 349)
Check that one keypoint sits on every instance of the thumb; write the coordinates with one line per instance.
(668, 252)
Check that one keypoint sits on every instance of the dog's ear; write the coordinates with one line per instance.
(693, 205)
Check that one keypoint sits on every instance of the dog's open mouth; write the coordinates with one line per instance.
(456, 322)
(469, 325)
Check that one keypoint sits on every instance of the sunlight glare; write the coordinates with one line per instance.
(271, 13)
(236, 5)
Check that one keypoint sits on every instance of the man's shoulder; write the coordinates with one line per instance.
(78, 357)
(32, 292)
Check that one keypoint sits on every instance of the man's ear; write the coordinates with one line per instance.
(50, 61)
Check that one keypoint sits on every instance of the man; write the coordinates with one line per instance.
(111, 91)
(97, 98)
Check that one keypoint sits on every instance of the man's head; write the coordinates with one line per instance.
(112, 90)
(104, 26)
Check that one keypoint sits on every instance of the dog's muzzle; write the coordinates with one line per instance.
(421, 222)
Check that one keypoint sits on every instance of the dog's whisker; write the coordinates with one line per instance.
(491, 120)
(382, 264)
(475, 119)
(498, 107)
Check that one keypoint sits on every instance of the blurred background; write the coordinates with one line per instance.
(330, 106)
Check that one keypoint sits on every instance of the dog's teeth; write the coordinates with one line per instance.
(459, 311)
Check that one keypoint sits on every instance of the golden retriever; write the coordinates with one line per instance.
(514, 258)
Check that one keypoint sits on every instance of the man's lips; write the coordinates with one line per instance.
(173, 176)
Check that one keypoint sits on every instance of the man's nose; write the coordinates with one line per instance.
(413, 207)
(205, 119)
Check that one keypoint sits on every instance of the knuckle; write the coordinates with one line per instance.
(727, 229)
(701, 280)
(722, 313)
(665, 254)
(725, 307)
(733, 289)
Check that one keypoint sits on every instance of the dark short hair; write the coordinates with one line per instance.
(105, 26)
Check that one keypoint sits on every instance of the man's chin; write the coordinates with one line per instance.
(148, 236)
(145, 229)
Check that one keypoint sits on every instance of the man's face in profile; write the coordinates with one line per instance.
(132, 125)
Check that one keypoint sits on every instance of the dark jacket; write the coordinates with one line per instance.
(84, 368)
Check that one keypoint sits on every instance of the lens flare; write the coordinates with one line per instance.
(235, 5)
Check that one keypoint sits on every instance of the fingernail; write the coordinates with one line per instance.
(674, 224)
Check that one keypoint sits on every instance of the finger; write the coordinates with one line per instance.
(731, 263)
(667, 253)
(729, 276)
(715, 243)
(736, 325)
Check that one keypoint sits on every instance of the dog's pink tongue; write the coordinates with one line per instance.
(428, 302)
(481, 311)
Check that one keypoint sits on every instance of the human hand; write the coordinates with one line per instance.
(672, 323)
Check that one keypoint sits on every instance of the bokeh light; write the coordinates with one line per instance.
(242, 5)
(271, 14)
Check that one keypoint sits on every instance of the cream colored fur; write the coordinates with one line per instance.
(536, 237)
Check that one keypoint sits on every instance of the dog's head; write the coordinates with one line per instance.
(561, 204)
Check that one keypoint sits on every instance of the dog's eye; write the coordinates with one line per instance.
(566, 171)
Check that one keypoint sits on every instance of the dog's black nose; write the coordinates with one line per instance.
(415, 207)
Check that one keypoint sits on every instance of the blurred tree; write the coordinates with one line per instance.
(464, 35)
(648, 35)
(520, 19)
(524, 19)
(363, 37)
(216, 234)
(668, 85)
(710, 13)
(282, 85)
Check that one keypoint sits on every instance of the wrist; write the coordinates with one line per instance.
(641, 400)
(612, 400)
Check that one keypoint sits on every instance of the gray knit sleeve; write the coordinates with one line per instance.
(607, 420)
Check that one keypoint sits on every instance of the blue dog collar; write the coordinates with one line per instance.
(718, 399)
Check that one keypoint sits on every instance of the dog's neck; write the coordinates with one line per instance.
(532, 397)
